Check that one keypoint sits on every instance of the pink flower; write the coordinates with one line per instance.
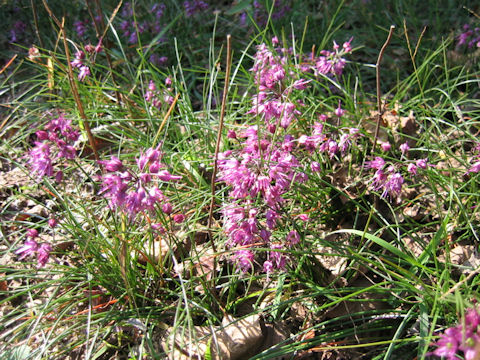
(32, 233)
(112, 165)
(84, 72)
(268, 266)
(386, 146)
(412, 169)
(475, 168)
(378, 163)
(231, 134)
(293, 238)
(339, 111)
(30, 247)
(304, 217)
(244, 259)
(404, 148)
(52, 222)
(448, 344)
(315, 166)
(43, 254)
(179, 218)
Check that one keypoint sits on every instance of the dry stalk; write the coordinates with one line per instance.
(379, 91)
(35, 21)
(219, 137)
(71, 80)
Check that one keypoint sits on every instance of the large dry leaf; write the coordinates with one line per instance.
(234, 340)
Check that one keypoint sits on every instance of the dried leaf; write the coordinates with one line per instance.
(234, 340)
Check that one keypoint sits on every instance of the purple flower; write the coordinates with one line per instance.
(339, 111)
(412, 169)
(52, 222)
(386, 146)
(393, 186)
(378, 163)
(278, 258)
(475, 168)
(448, 344)
(112, 165)
(179, 218)
(421, 163)
(30, 247)
(40, 161)
(315, 166)
(84, 72)
(243, 259)
(268, 266)
(43, 254)
(32, 233)
(404, 148)
(194, 6)
(293, 238)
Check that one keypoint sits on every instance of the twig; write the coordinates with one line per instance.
(219, 136)
(35, 21)
(71, 80)
(412, 55)
(165, 118)
(379, 91)
(463, 281)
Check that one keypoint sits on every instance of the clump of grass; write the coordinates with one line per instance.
(345, 248)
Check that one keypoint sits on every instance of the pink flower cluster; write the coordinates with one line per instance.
(263, 170)
(328, 144)
(55, 141)
(387, 177)
(159, 97)
(193, 7)
(80, 60)
(134, 191)
(469, 37)
(329, 63)
(131, 29)
(464, 338)
(272, 101)
(266, 166)
(32, 248)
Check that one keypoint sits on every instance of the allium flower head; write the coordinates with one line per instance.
(404, 148)
(43, 254)
(30, 247)
(378, 163)
(386, 146)
(244, 259)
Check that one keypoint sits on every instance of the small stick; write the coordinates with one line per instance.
(463, 281)
(35, 21)
(379, 91)
(165, 118)
(219, 136)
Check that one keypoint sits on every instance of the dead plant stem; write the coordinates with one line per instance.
(379, 91)
(219, 137)
(71, 80)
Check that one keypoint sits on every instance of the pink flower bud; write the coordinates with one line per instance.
(41, 135)
(179, 218)
(32, 233)
(52, 222)
(386, 146)
(89, 48)
(167, 208)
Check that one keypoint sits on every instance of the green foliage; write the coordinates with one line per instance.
(371, 276)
